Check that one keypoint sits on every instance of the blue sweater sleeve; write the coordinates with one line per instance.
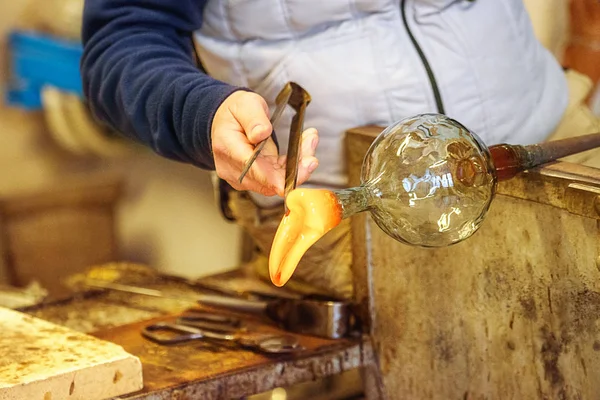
(140, 78)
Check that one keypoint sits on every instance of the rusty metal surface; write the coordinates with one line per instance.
(205, 370)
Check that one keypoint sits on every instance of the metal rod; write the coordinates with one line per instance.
(543, 153)
(231, 303)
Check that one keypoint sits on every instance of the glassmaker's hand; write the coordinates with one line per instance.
(241, 122)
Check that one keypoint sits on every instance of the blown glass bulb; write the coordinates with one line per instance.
(428, 181)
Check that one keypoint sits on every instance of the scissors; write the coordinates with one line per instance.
(202, 325)
(298, 98)
(179, 333)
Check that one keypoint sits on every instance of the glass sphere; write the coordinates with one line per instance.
(431, 181)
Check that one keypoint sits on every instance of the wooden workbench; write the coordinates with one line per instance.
(198, 370)
(208, 371)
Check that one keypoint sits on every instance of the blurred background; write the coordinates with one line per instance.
(74, 194)
(71, 193)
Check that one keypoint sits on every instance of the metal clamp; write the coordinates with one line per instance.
(298, 98)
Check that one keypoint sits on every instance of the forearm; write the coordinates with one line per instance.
(139, 76)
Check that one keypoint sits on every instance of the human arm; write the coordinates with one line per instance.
(139, 77)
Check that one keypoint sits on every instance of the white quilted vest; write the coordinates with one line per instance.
(356, 60)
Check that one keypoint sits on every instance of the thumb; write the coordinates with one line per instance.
(252, 114)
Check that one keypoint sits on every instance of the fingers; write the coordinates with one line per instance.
(264, 176)
(308, 161)
(307, 167)
(233, 144)
(276, 170)
(267, 171)
(252, 113)
(239, 124)
(310, 141)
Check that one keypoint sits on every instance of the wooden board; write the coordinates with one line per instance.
(43, 361)
(208, 370)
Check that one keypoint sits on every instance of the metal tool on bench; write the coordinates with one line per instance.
(207, 326)
(311, 315)
(211, 321)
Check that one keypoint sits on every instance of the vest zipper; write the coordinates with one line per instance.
(430, 75)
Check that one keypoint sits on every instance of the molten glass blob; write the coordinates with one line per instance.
(311, 214)
(427, 181)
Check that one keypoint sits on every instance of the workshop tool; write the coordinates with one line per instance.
(263, 342)
(211, 321)
(310, 315)
(228, 284)
(298, 98)
(280, 102)
(248, 288)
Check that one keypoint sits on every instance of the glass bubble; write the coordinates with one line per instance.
(429, 181)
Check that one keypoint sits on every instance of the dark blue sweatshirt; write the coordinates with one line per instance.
(140, 76)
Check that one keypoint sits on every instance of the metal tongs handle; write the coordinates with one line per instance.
(298, 98)
(280, 102)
